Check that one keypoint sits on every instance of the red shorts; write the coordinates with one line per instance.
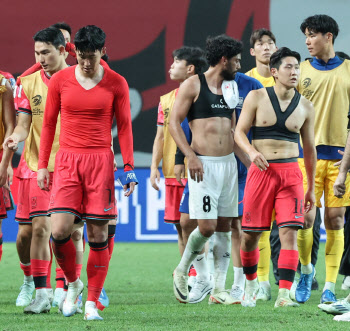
(173, 195)
(6, 202)
(279, 187)
(83, 185)
(31, 200)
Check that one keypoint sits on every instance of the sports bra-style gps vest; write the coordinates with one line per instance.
(208, 104)
(278, 131)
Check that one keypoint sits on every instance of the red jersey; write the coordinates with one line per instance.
(87, 115)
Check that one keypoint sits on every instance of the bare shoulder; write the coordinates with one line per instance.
(191, 86)
(307, 104)
(256, 95)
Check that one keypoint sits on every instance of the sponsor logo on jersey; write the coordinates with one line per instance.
(37, 100)
(219, 106)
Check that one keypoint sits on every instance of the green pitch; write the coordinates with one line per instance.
(139, 286)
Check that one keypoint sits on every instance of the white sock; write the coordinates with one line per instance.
(265, 284)
(252, 283)
(222, 256)
(28, 278)
(201, 266)
(195, 244)
(329, 286)
(239, 277)
(210, 256)
(284, 292)
(347, 280)
(306, 269)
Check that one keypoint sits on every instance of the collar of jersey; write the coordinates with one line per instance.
(331, 64)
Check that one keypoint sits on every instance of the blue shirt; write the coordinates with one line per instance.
(245, 85)
(325, 152)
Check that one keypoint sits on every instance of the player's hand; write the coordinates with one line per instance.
(259, 160)
(195, 168)
(179, 170)
(131, 189)
(339, 187)
(155, 178)
(43, 178)
(11, 143)
(310, 200)
(337, 164)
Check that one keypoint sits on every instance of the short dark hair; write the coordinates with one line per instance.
(192, 55)
(105, 57)
(342, 55)
(258, 34)
(280, 54)
(320, 23)
(50, 36)
(89, 38)
(220, 46)
(63, 26)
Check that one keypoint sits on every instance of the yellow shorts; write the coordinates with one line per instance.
(326, 174)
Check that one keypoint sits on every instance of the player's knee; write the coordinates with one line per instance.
(76, 235)
(40, 233)
(60, 234)
(24, 233)
(207, 230)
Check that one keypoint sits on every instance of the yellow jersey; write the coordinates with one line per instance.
(266, 82)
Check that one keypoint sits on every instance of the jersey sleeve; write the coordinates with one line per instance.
(160, 118)
(123, 116)
(52, 108)
(22, 103)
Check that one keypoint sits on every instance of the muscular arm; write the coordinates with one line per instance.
(310, 156)
(157, 155)
(244, 124)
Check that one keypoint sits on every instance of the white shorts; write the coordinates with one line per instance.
(217, 194)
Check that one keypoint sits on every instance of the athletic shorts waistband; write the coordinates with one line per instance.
(288, 160)
(278, 166)
(225, 158)
(85, 150)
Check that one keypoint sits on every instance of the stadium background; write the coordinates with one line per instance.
(141, 36)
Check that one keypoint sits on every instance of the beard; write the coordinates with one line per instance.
(228, 75)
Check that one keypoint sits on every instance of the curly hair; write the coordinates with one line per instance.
(220, 46)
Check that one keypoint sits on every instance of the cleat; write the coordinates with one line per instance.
(336, 308)
(91, 312)
(57, 297)
(342, 318)
(180, 286)
(50, 294)
(285, 302)
(222, 297)
(38, 305)
(264, 293)
(328, 297)
(200, 290)
(314, 285)
(250, 294)
(303, 290)
(345, 286)
(293, 288)
(103, 299)
(26, 294)
(191, 282)
(237, 293)
(60, 303)
(70, 304)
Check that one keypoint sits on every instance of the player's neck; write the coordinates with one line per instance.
(62, 66)
(283, 92)
(326, 55)
(263, 69)
(96, 74)
(214, 78)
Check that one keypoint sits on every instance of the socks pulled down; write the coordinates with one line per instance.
(111, 235)
(97, 268)
(287, 266)
(222, 257)
(238, 277)
(250, 263)
(195, 244)
(66, 256)
(27, 270)
(334, 251)
(40, 269)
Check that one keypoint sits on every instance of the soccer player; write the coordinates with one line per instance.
(88, 96)
(276, 115)
(324, 81)
(212, 167)
(263, 45)
(32, 206)
(8, 121)
(188, 61)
